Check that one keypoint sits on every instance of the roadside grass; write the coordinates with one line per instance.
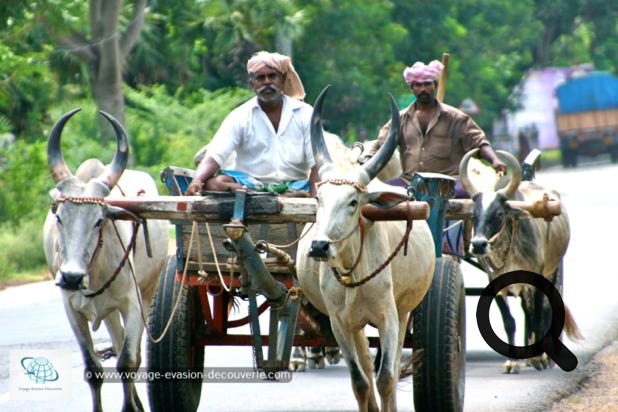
(21, 254)
(28, 276)
(550, 157)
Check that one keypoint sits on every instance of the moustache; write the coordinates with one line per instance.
(273, 89)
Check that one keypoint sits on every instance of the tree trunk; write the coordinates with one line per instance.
(105, 52)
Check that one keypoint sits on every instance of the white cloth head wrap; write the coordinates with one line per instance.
(419, 72)
(293, 86)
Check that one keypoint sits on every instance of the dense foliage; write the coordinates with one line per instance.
(186, 68)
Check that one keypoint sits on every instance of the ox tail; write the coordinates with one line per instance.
(570, 326)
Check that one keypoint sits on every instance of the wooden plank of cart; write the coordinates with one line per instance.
(241, 246)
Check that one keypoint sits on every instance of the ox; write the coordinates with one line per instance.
(98, 260)
(506, 239)
(343, 247)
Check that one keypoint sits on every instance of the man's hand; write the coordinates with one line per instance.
(499, 166)
(194, 188)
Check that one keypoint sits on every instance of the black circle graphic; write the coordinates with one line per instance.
(550, 343)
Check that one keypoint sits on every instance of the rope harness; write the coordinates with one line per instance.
(490, 262)
(101, 202)
(346, 278)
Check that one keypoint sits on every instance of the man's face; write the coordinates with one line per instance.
(424, 91)
(267, 83)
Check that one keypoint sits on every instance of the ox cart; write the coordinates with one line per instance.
(241, 246)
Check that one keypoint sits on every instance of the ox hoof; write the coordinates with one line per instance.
(317, 363)
(105, 353)
(511, 367)
(297, 365)
(539, 362)
(333, 356)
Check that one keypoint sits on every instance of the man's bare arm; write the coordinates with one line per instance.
(206, 169)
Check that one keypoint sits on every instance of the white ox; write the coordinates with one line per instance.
(507, 239)
(353, 247)
(85, 247)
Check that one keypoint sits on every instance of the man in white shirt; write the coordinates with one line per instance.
(269, 135)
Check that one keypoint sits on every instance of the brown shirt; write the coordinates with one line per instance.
(449, 135)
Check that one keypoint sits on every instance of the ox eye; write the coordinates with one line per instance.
(58, 220)
(99, 223)
(354, 203)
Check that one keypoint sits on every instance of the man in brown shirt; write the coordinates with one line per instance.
(435, 136)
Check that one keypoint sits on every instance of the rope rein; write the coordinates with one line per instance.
(346, 280)
(122, 262)
(490, 262)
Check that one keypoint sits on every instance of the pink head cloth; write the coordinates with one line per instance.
(419, 72)
(293, 86)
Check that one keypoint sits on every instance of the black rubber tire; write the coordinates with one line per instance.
(439, 329)
(176, 352)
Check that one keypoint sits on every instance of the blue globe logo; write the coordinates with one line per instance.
(39, 370)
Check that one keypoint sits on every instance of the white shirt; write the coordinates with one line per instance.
(262, 153)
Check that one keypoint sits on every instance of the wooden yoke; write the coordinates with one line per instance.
(260, 209)
(542, 208)
(442, 79)
(409, 210)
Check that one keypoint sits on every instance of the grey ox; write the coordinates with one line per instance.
(343, 247)
(506, 239)
(102, 264)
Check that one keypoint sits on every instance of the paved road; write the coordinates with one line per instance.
(32, 317)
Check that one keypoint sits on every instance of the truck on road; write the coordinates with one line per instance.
(587, 116)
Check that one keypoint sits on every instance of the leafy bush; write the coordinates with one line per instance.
(168, 130)
(21, 248)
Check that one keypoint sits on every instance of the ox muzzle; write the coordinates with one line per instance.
(71, 280)
(479, 246)
(319, 250)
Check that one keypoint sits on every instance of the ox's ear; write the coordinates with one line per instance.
(118, 213)
(54, 194)
(516, 212)
(384, 196)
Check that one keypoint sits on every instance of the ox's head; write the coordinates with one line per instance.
(343, 191)
(78, 206)
(491, 212)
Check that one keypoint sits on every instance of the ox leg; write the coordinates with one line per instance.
(360, 366)
(391, 334)
(116, 333)
(298, 361)
(92, 366)
(538, 318)
(130, 358)
(511, 366)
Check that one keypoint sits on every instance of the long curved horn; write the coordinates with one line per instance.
(318, 144)
(515, 180)
(57, 166)
(466, 183)
(112, 174)
(380, 159)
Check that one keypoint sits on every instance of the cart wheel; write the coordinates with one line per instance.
(176, 351)
(439, 330)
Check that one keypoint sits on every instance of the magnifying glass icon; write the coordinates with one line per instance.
(550, 343)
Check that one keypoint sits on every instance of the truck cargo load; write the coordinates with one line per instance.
(587, 116)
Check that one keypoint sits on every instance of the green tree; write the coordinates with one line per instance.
(102, 45)
(349, 44)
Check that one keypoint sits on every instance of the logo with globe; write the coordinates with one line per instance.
(39, 370)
